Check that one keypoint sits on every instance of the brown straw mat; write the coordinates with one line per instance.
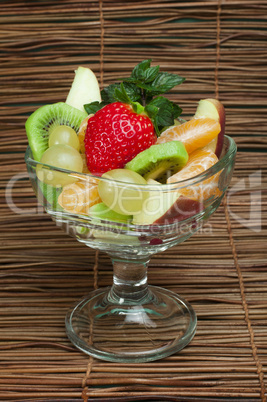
(221, 49)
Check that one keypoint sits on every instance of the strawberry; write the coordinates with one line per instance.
(129, 117)
(115, 135)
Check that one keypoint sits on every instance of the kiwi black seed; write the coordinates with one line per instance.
(45, 119)
(160, 161)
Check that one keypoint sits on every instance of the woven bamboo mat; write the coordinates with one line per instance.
(221, 48)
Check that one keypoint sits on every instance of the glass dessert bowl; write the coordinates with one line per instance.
(131, 321)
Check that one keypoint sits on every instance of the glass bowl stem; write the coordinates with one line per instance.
(131, 321)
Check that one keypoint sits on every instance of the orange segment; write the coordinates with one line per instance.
(79, 196)
(198, 162)
(85, 167)
(82, 131)
(211, 146)
(81, 135)
(194, 134)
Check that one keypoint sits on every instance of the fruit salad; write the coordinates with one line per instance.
(110, 154)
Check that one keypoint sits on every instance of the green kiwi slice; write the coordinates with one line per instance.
(45, 119)
(160, 161)
(49, 195)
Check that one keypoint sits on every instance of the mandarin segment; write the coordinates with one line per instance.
(81, 133)
(199, 161)
(211, 146)
(79, 197)
(194, 134)
(85, 167)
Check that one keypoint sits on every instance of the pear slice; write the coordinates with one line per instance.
(85, 89)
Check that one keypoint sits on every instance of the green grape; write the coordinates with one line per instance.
(61, 156)
(123, 198)
(64, 135)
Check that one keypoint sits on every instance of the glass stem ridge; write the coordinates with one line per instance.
(129, 282)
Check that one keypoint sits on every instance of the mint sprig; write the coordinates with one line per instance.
(110, 93)
(144, 86)
(162, 112)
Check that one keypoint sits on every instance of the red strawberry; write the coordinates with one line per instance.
(115, 135)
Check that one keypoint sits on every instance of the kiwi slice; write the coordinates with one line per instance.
(45, 119)
(49, 195)
(160, 161)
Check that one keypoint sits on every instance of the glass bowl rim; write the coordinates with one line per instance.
(218, 166)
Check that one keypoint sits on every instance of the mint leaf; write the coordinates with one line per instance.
(93, 107)
(142, 89)
(162, 112)
(146, 87)
(121, 94)
(164, 82)
(142, 76)
(109, 94)
(151, 81)
(138, 72)
(168, 111)
(152, 111)
(151, 74)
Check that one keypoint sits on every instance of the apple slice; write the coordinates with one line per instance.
(84, 89)
(165, 207)
(213, 109)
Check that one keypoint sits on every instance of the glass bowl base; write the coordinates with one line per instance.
(125, 330)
